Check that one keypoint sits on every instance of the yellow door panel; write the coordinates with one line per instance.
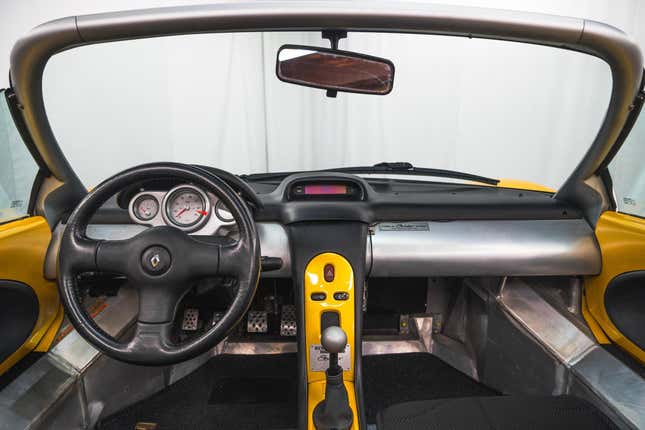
(622, 243)
(23, 245)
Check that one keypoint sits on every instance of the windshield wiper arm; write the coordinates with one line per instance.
(398, 168)
(405, 168)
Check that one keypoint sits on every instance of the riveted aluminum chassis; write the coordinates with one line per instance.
(31, 53)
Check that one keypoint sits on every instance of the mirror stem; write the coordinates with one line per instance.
(334, 36)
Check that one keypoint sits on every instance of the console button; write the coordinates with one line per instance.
(341, 295)
(329, 272)
(318, 296)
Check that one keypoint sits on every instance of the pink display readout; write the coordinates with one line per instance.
(317, 190)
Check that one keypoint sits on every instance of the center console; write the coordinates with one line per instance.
(328, 267)
(329, 297)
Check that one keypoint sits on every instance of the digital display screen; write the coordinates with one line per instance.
(325, 190)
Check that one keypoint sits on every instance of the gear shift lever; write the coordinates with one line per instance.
(334, 411)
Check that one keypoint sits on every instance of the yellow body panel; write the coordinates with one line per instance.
(315, 283)
(622, 243)
(597, 331)
(317, 393)
(23, 245)
(523, 185)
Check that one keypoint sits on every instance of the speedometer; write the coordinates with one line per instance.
(186, 207)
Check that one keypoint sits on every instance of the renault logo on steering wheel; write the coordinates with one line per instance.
(155, 260)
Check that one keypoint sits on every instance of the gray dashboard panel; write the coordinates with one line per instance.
(485, 248)
(451, 248)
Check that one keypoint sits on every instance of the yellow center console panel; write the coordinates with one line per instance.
(329, 300)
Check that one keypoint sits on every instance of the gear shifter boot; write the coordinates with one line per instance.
(334, 412)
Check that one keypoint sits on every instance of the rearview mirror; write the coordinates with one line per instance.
(334, 70)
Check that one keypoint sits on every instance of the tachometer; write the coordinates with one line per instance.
(186, 207)
(145, 207)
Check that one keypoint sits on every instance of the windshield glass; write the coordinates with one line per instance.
(491, 108)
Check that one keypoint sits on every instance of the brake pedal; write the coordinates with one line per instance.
(191, 318)
(288, 324)
(257, 322)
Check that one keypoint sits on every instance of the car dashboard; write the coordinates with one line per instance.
(415, 228)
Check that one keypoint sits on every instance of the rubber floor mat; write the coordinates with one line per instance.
(228, 392)
(396, 378)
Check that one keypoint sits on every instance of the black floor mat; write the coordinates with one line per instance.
(229, 392)
(396, 378)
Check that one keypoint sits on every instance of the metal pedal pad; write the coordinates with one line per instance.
(191, 318)
(257, 322)
(288, 325)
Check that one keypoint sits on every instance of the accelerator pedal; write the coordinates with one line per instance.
(257, 322)
(190, 320)
(288, 325)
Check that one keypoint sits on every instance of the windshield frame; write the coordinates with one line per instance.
(31, 53)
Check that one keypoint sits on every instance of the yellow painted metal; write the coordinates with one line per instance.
(622, 243)
(315, 283)
(51, 333)
(600, 335)
(523, 185)
(23, 245)
(317, 393)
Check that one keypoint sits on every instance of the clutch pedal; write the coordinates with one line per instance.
(191, 318)
(288, 324)
(257, 322)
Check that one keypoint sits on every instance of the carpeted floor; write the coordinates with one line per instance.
(259, 392)
(229, 392)
(391, 379)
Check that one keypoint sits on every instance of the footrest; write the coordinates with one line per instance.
(190, 320)
(288, 325)
(257, 322)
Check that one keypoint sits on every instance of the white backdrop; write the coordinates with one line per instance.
(247, 121)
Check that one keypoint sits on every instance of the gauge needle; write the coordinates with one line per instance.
(181, 211)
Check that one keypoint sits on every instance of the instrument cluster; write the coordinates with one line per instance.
(186, 207)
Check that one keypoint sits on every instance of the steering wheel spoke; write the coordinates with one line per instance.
(114, 256)
(158, 303)
(151, 338)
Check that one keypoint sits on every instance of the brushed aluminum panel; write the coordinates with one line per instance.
(617, 387)
(485, 248)
(559, 335)
(615, 383)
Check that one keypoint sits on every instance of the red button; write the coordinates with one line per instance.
(329, 272)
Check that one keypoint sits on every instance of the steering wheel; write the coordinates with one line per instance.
(160, 263)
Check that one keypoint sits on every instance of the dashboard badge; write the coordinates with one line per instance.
(155, 260)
